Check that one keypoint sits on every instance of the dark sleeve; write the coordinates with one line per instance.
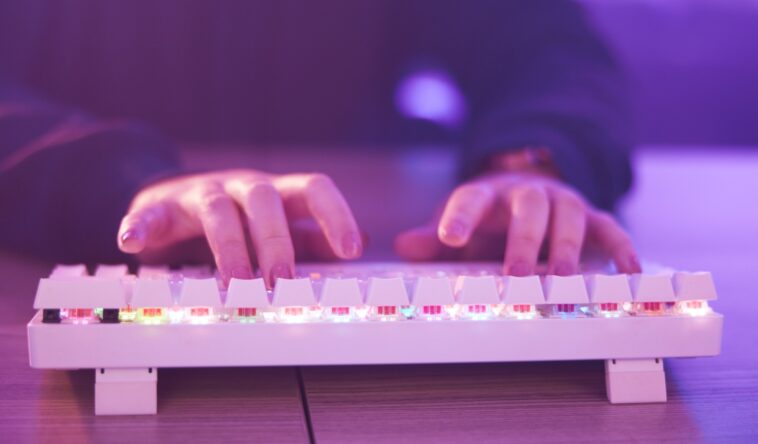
(546, 79)
(66, 179)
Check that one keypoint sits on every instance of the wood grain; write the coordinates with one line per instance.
(710, 399)
(195, 405)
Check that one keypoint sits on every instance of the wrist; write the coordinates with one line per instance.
(526, 160)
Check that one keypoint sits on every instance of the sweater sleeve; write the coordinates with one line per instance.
(548, 80)
(66, 178)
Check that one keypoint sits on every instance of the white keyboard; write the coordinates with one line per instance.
(126, 326)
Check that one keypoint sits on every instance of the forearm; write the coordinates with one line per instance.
(563, 92)
(66, 178)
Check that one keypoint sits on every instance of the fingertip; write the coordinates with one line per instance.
(278, 271)
(519, 268)
(132, 240)
(563, 268)
(454, 233)
(352, 246)
(629, 264)
(236, 272)
(417, 245)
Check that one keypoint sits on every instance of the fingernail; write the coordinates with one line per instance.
(131, 237)
(518, 269)
(455, 231)
(351, 246)
(563, 269)
(279, 271)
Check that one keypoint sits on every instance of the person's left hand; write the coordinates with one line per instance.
(513, 215)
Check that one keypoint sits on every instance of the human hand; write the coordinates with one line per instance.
(520, 213)
(229, 207)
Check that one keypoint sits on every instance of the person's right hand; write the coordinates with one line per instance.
(224, 206)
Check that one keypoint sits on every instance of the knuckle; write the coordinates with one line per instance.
(572, 202)
(319, 181)
(531, 194)
(259, 189)
(605, 218)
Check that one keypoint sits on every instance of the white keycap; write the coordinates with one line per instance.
(196, 271)
(472, 290)
(387, 292)
(608, 288)
(112, 271)
(81, 292)
(694, 286)
(76, 270)
(153, 292)
(565, 289)
(652, 288)
(433, 291)
(341, 293)
(522, 290)
(293, 293)
(149, 272)
(200, 293)
(247, 293)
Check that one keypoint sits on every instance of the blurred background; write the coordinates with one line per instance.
(692, 66)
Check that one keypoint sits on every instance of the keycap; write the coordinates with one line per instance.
(608, 288)
(472, 290)
(694, 286)
(432, 291)
(565, 289)
(293, 293)
(244, 293)
(200, 293)
(652, 288)
(341, 293)
(153, 292)
(522, 290)
(387, 292)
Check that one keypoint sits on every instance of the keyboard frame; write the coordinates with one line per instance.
(126, 356)
(228, 344)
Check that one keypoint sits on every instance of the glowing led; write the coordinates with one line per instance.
(338, 314)
(694, 308)
(477, 311)
(521, 311)
(432, 312)
(199, 315)
(408, 311)
(608, 309)
(361, 312)
(151, 315)
(78, 315)
(386, 313)
(650, 308)
(127, 314)
(294, 314)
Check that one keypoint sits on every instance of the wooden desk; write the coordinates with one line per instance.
(710, 400)
(679, 216)
(196, 405)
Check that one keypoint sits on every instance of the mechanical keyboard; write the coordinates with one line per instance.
(126, 326)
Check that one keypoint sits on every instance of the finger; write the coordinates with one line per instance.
(331, 211)
(614, 241)
(221, 223)
(268, 227)
(418, 244)
(569, 218)
(144, 226)
(529, 211)
(463, 212)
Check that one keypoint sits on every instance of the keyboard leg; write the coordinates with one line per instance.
(126, 391)
(630, 381)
